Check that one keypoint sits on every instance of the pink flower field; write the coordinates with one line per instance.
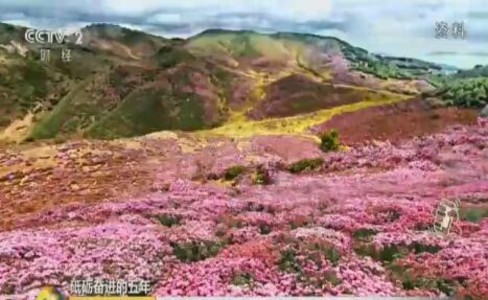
(358, 224)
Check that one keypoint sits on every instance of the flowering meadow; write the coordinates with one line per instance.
(355, 222)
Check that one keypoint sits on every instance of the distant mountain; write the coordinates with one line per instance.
(122, 82)
(477, 71)
(449, 68)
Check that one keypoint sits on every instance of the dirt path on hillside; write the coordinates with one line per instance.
(396, 122)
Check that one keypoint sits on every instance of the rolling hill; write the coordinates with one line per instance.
(123, 83)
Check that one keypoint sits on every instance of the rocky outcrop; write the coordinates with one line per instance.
(484, 112)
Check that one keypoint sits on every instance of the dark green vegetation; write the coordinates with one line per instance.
(474, 215)
(465, 88)
(392, 254)
(288, 261)
(9, 32)
(306, 165)
(468, 92)
(385, 67)
(234, 172)
(329, 141)
(196, 251)
(409, 281)
(149, 110)
(323, 256)
(169, 220)
(243, 279)
(171, 56)
(364, 234)
(265, 229)
(329, 252)
(26, 84)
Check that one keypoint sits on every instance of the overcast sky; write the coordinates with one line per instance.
(395, 27)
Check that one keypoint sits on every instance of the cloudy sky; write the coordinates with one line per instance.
(395, 27)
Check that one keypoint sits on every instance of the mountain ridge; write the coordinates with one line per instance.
(226, 76)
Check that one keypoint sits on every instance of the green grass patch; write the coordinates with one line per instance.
(297, 223)
(234, 172)
(52, 124)
(331, 277)
(288, 262)
(243, 279)
(364, 234)
(196, 251)
(170, 56)
(410, 282)
(421, 248)
(390, 253)
(474, 215)
(305, 165)
(332, 255)
(387, 254)
(149, 110)
(169, 220)
(329, 252)
(36, 76)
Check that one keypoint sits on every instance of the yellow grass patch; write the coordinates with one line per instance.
(296, 125)
(18, 130)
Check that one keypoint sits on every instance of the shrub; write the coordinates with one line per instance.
(196, 251)
(386, 254)
(332, 255)
(331, 277)
(264, 229)
(412, 282)
(234, 172)
(169, 220)
(243, 279)
(306, 165)
(364, 234)
(465, 92)
(421, 248)
(329, 141)
(329, 252)
(288, 262)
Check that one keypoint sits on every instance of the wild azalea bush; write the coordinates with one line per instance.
(359, 233)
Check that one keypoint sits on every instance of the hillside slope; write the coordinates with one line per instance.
(123, 83)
